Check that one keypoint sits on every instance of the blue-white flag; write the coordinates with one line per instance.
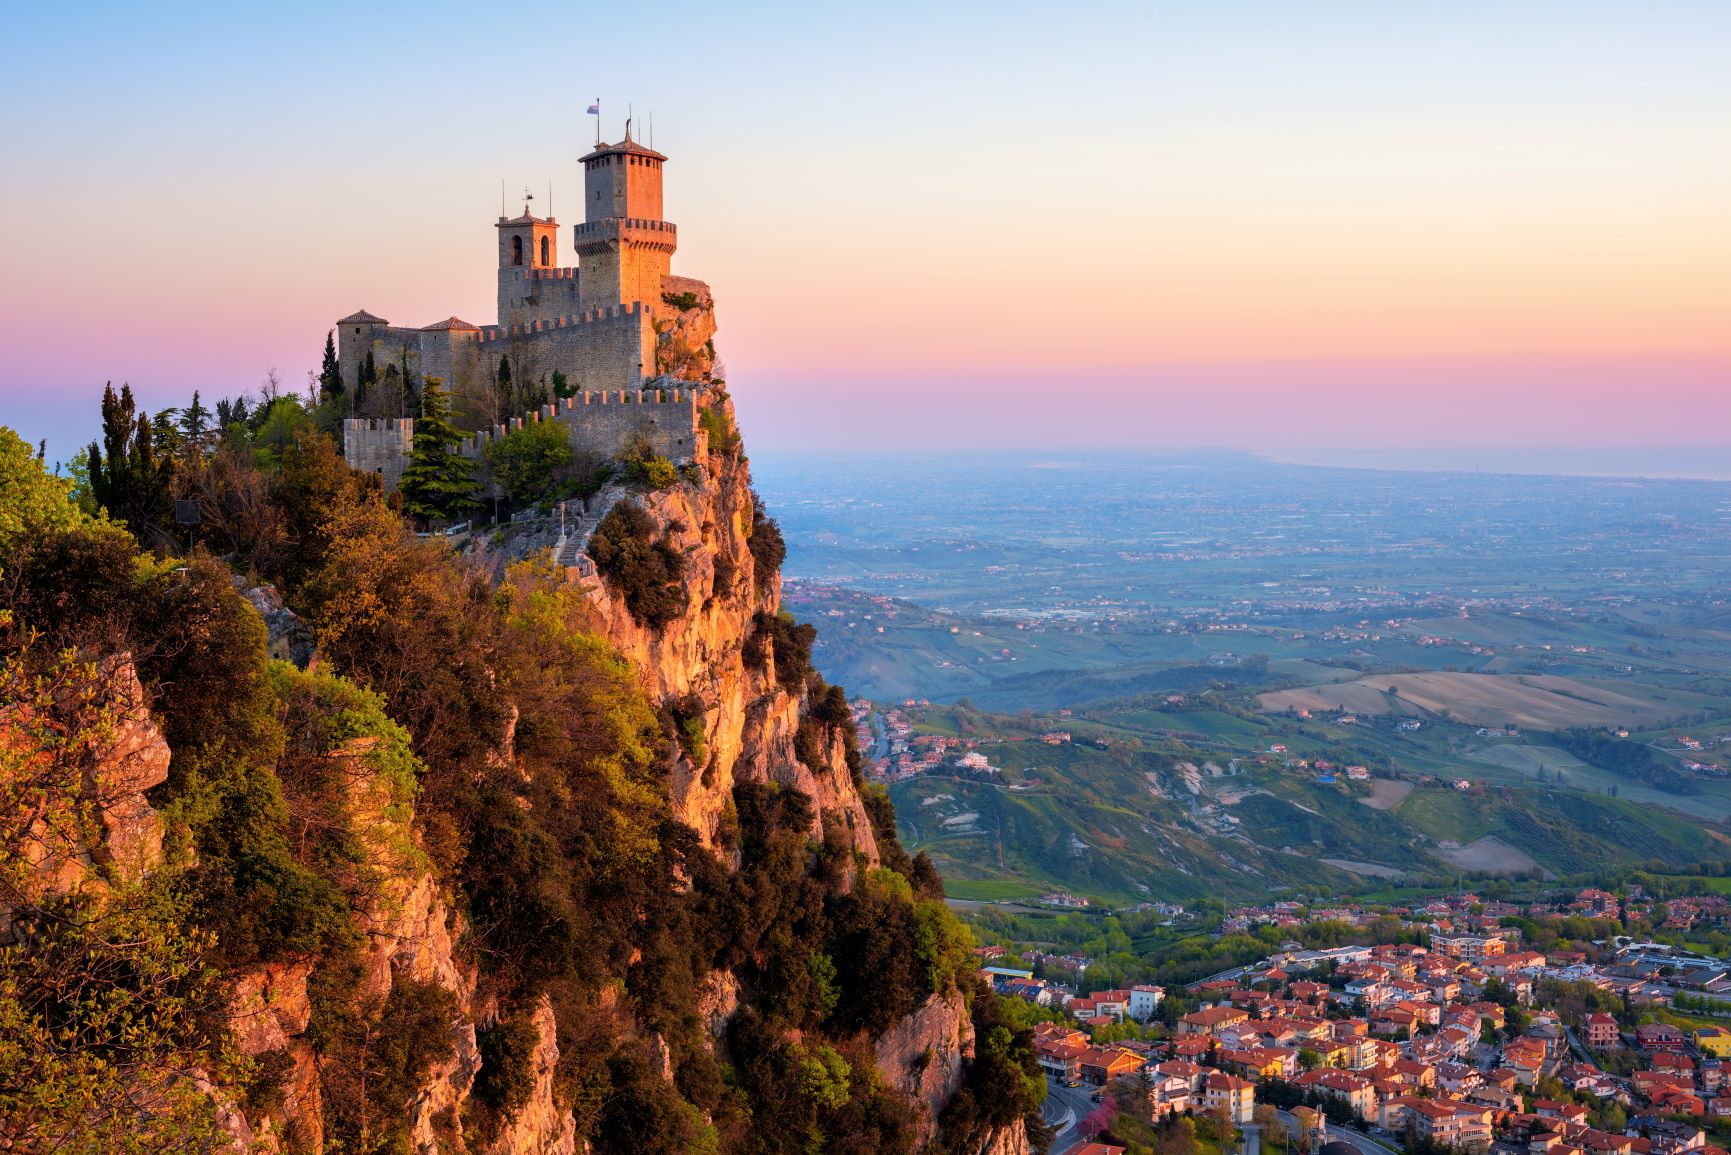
(595, 109)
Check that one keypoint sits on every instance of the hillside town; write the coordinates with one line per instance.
(1468, 1038)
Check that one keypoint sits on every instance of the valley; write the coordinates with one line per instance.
(1274, 677)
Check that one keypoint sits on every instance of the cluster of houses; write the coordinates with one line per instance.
(1402, 1037)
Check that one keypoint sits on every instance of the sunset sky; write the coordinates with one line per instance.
(1296, 228)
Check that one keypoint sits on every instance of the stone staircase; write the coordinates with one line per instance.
(581, 518)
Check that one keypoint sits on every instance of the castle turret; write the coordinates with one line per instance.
(624, 247)
(528, 245)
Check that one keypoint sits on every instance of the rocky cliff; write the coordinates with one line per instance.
(379, 953)
(749, 720)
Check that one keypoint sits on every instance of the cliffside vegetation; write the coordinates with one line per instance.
(462, 727)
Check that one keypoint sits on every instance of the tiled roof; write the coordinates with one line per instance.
(362, 317)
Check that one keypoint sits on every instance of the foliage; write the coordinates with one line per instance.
(128, 476)
(1003, 1083)
(686, 716)
(718, 424)
(437, 481)
(768, 547)
(787, 642)
(33, 502)
(681, 301)
(643, 466)
(104, 1005)
(373, 1059)
(1627, 758)
(460, 720)
(330, 376)
(647, 570)
(531, 462)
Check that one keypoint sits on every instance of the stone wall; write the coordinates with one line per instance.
(609, 348)
(600, 423)
(597, 423)
(378, 445)
(530, 295)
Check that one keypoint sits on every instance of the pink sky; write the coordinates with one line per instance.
(1208, 225)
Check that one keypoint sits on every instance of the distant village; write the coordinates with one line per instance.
(1468, 1039)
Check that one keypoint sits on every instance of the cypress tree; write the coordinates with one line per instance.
(127, 477)
(369, 373)
(503, 377)
(330, 377)
(438, 481)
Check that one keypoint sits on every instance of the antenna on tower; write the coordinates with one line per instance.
(549, 200)
(628, 124)
(501, 198)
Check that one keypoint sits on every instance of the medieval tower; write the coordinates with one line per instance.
(610, 326)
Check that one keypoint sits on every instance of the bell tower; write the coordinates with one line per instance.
(527, 244)
(624, 248)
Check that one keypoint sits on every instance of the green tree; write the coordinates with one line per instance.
(195, 424)
(128, 477)
(365, 377)
(438, 482)
(529, 462)
(33, 502)
(330, 376)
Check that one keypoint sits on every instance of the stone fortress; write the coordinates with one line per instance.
(633, 341)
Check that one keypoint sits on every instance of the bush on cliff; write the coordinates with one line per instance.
(645, 467)
(647, 570)
(539, 773)
(768, 547)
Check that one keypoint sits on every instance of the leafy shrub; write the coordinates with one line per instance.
(531, 462)
(643, 466)
(685, 718)
(768, 547)
(684, 302)
(507, 1075)
(649, 573)
(723, 437)
(725, 570)
(808, 743)
(373, 1060)
(788, 640)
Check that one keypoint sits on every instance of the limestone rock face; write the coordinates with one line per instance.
(289, 638)
(749, 720)
(1012, 1140)
(540, 1128)
(922, 1055)
(124, 839)
(409, 929)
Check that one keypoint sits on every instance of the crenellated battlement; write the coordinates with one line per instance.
(582, 407)
(564, 273)
(610, 328)
(634, 309)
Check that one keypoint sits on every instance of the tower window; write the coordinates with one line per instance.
(546, 251)
(516, 250)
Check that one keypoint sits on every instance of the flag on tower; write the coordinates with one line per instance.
(595, 109)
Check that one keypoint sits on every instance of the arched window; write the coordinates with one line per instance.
(546, 251)
(516, 250)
